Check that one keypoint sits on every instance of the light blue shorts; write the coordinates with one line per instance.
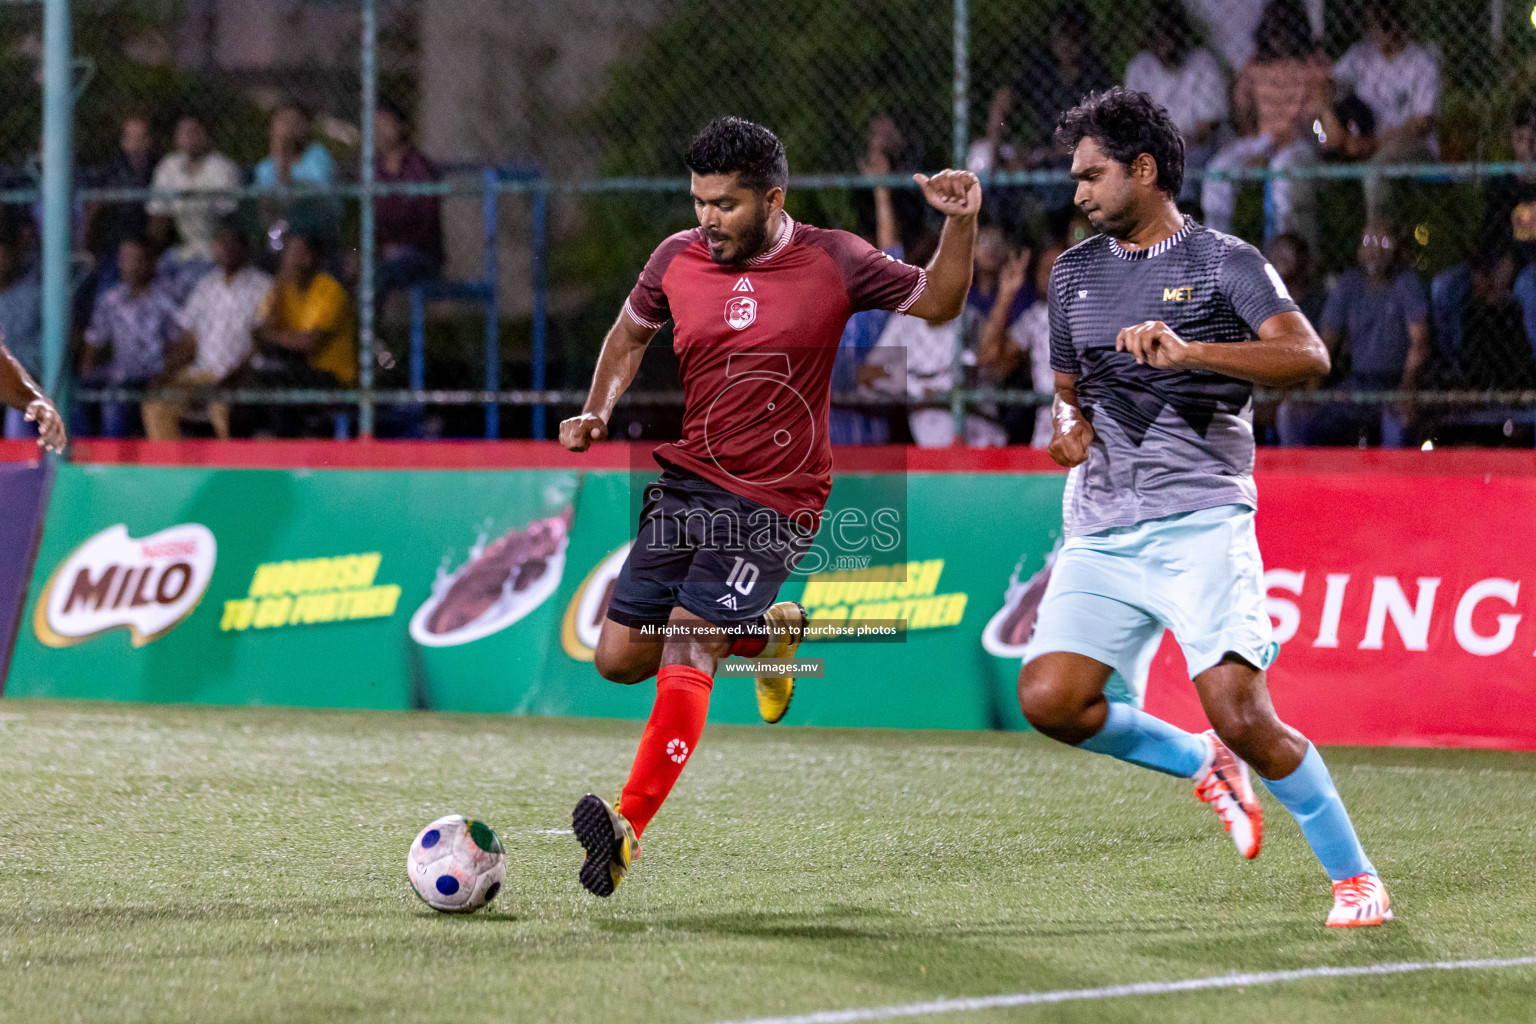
(1111, 595)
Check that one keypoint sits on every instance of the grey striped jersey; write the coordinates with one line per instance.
(1165, 441)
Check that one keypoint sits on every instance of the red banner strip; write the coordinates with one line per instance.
(307, 454)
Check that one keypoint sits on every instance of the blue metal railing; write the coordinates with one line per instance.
(485, 291)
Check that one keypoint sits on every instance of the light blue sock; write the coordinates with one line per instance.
(1135, 736)
(1309, 795)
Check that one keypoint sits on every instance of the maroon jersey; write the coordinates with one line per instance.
(755, 345)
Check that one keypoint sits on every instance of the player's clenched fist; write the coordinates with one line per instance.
(952, 193)
(578, 432)
(1154, 343)
(1071, 436)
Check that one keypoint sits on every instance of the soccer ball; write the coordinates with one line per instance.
(456, 865)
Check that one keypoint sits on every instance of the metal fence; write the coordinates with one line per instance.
(558, 129)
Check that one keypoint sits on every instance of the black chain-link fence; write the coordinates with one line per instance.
(1340, 135)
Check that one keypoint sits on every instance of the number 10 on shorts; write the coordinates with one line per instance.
(743, 576)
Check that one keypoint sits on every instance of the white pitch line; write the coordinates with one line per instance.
(1140, 988)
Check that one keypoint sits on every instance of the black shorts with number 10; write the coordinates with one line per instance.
(700, 547)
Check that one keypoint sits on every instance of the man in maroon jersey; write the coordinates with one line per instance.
(758, 305)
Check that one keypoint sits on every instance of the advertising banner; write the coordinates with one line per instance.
(1405, 608)
(1402, 603)
(296, 587)
(486, 592)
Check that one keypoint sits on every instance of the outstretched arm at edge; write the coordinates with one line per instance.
(19, 391)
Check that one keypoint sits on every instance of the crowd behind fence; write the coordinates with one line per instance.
(274, 250)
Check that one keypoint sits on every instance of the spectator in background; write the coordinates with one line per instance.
(295, 159)
(306, 327)
(192, 167)
(892, 144)
(1183, 78)
(130, 326)
(1495, 353)
(992, 253)
(1347, 130)
(1376, 316)
(1279, 93)
(1292, 260)
(1399, 81)
(1045, 85)
(853, 426)
(1230, 24)
(917, 359)
(1009, 344)
(1509, 226)
(218, 325)
(132, 165)
(409, 228)
(21, 318)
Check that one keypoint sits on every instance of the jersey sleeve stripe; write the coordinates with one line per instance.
(637, 318)
(918, 289)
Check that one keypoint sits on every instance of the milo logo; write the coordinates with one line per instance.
(113, 581)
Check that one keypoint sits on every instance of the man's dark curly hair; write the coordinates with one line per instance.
(730, 145)
(1127, 124)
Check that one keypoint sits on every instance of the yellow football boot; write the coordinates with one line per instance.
(609, 840)
(786, 624)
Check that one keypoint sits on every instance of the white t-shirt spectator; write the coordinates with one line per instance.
(197, 220)
(922, 355)
(1229, 25)
(1194, 94)
(223, 315)
(1031, 332)
(1396, 90)
(917, 354)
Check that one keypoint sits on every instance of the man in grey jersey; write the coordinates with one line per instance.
(1159, 330)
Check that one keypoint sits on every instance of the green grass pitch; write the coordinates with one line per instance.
(184, 864)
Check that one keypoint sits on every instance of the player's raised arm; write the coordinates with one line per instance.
(957, 195)
(19, 391)
(623, 348)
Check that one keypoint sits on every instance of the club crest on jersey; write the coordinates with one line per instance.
(740, 312)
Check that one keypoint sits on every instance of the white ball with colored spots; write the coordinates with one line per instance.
(456, 865)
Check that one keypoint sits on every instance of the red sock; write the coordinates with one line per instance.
(671, 734)
(748, 646)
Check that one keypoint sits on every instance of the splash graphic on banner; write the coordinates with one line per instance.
(1008, 631)
(113, 581)
(499, 584)
(312, 591)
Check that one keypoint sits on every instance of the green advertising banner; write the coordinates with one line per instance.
(484, 591)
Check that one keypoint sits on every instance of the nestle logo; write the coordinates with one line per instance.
(169, 549)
